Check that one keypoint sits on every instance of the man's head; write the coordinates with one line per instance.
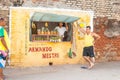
(88, 29)
(2, 22)
(60, 24)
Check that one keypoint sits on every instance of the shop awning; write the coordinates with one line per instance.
(49, 17)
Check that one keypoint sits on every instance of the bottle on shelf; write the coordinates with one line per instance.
(42, 32)
(38, 31)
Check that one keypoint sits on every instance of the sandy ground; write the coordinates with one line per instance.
(102, 71)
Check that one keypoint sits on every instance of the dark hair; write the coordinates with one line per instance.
(1, 19)
(88, 27)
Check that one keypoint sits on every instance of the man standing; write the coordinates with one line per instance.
(3, 44)
(61, 29)
(88, 50)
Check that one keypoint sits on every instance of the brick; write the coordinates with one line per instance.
(117, 58)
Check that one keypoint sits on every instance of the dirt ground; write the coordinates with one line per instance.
(101, 71)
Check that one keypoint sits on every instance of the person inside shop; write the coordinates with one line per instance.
(65, 38)
(62, 30)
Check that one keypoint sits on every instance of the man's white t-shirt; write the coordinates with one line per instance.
(60, 30)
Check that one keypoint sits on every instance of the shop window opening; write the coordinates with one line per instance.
(50, 31)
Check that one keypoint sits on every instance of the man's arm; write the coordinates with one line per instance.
(3, 42)
(96, 36)
(66, 26)
(82, 30)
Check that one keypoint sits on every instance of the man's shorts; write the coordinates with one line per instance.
(88, 51)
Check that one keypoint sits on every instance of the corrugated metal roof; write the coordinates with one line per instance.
(49, 17)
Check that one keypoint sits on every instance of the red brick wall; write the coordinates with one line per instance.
(106, 49)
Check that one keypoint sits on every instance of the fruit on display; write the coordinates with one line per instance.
(55, 39)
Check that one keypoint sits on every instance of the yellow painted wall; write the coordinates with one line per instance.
(20, 44)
